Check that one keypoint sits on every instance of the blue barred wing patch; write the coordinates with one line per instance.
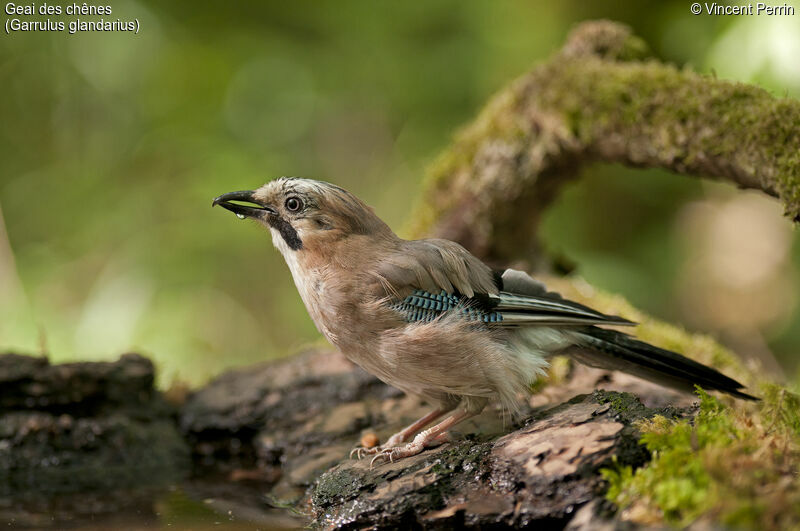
(423, 306)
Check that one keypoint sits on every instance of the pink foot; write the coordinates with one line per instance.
(391, 454)
(395, 440)
(360, 451)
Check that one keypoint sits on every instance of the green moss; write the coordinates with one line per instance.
(667, 107)
(675, 118)
(623, 405)
(466, 456)
(633, 49)
(337, 485)
(781, 408)
(723, 464)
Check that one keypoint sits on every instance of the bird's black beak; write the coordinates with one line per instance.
(243, 211)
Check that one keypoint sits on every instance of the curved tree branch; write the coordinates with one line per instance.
(601, 98)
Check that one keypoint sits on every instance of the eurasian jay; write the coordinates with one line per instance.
(431, 319)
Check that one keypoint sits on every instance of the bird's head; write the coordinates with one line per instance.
(304, 213)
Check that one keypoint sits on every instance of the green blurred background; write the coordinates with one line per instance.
(114, 144)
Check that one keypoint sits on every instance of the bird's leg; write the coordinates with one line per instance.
(433, 436)
(412, 429)
(401, 436)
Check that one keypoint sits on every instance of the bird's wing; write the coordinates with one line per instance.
(525, 301)
(502, 310)
(430, 278)
(434, 266)
(523, 310)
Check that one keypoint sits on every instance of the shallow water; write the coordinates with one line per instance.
(194, 505)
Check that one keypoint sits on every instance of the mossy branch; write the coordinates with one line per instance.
(601, 98)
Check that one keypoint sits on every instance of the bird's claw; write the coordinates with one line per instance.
(386, 453)
(393, 453)
(361, 452)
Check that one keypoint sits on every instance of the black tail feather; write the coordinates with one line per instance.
(614, 350)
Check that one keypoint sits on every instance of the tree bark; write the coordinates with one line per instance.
(292, 423)
(602, 98)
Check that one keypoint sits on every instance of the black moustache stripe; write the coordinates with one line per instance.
(287, 232)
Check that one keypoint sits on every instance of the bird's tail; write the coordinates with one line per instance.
(609, 349)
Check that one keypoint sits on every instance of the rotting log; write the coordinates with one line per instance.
(602, 98)
(291, 424)
(84, 440)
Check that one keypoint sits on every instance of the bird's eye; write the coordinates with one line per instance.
(294, 204)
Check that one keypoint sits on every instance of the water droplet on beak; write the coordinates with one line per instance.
(240, 216)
